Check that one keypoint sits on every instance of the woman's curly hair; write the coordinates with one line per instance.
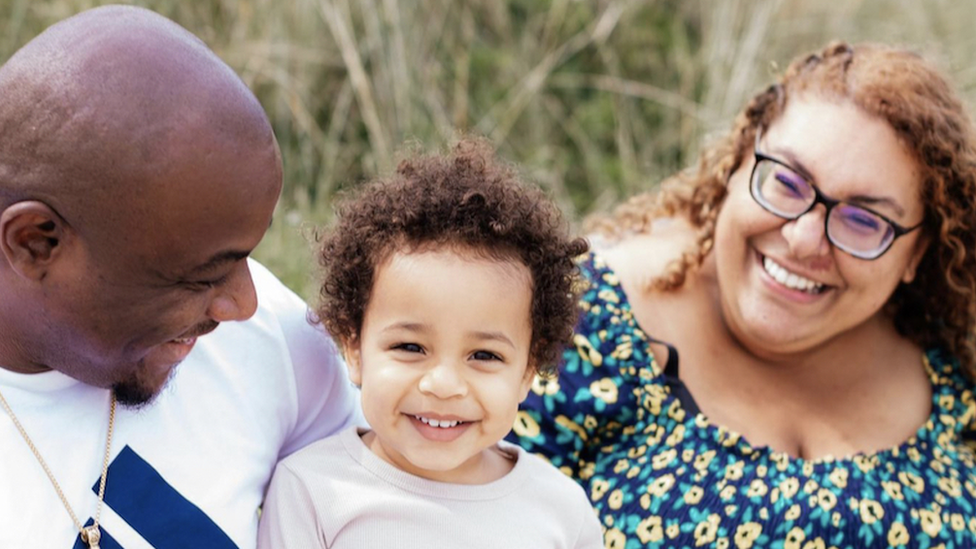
(939, 307)
(467, 200)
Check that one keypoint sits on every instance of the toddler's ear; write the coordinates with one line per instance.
(354, 363)
(526, 384)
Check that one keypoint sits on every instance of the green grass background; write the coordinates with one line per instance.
(596, 99)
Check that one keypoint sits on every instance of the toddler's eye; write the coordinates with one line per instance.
(408, 347)
(485, 355)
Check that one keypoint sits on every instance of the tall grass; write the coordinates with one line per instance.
(595, 99)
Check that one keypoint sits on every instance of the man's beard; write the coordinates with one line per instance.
(135, 393)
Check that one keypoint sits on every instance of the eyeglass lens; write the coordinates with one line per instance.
(788, 194)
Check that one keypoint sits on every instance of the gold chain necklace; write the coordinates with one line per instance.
(91, 534)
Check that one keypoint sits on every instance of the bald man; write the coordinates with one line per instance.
(137, 173)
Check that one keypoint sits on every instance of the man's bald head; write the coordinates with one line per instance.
(137, 173)
(98, 105)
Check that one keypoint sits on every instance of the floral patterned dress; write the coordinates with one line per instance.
(659, 476)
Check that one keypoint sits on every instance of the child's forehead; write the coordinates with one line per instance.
(468, 251)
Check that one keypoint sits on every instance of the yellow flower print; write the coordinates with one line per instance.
(789, 487)
(542, 386)
(793, 512)
(650, 530)
(808, 469)
(810, 486)
(761, 471)
(663, 459)
(826, 499)
(893, 489)
(730, 510)
(676, 437)
(912, 481)
(757, 488)
(734, 471)
(586, 350)
(638, 451)
(614, 539)
(898, 535)
(571, 425)
(672, 531)
(654, 396)
(703, 460)
(605, 390)
(661, 485)
(706, 530)
(865, 463)
(598, 489)
(957, 522)
(616, 499)
(645, 501)
(633, 472)
(871, 511)
(931, 522)
(913, 454)
(727, 493)
(947, 402)
(746, 534)
(794, 538)
(608, 295)
(722, 543)
(764, 513)
(589, 422)
(694, 495)
(838, 477)
(676, 412)
(815, 543)
(951, 486)
(972, 525)
(687, 455)
(621, 466)
(623, 351)
(525, 425)
(587, 470)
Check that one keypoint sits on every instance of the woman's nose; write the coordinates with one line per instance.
(806, 235)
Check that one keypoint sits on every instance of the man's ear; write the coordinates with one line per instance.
(32, 237)
(354, 360)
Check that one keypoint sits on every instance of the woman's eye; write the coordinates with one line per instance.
(485, 355)
(790, 184)
(408, 347)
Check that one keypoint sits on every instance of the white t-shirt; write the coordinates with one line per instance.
(190, 470)
(337, 494)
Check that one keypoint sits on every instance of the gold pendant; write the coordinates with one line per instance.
(91, 535)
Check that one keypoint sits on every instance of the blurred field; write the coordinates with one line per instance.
(595, 99)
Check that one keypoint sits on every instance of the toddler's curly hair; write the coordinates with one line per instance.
(467, 200)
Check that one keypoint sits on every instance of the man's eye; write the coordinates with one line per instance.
(408, 347)
(485, 355)
(202, 285)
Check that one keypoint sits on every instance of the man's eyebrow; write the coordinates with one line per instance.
(865, 200)
(227, 256)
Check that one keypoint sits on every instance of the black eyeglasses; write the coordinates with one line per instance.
(784, 192)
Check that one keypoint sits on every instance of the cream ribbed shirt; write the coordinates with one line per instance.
(337, 494)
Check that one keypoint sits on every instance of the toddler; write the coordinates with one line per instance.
(449, 286)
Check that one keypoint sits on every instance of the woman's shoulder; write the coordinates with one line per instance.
(638, 257)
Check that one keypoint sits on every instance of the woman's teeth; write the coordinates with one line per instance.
(443, 424)
(791, 280)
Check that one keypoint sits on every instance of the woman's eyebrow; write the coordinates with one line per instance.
(786, 156)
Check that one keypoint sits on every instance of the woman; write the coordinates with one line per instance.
(817, 275)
